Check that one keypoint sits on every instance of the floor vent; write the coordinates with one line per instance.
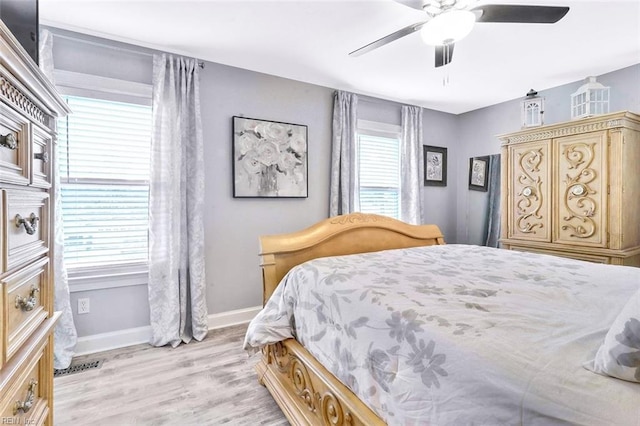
(77, 368)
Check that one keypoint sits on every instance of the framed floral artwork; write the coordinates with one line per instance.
(269, 159)
(435, 165)
(478, 173)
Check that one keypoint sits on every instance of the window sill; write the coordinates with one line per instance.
(101, 277)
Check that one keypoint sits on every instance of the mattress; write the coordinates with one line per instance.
(458, 334)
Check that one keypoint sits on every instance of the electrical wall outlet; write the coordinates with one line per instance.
(83, 306)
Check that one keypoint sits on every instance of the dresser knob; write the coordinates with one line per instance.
(44, 156)
(30, 224)
(9, 141)
(27, 404)
(27, 303)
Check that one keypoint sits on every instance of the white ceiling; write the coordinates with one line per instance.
(309, 40)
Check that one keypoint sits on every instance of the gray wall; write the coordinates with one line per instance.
(441, 129)
(477, 131)
(232, 226)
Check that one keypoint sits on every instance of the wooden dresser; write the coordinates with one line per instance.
(573, 189)
(29, 106)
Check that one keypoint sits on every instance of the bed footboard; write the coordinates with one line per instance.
(308, 393)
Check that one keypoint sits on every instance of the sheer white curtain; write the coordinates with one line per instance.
(65, 335)
(343, 195)
(411, 165)
(177, 286)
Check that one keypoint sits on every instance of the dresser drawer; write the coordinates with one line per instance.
(24, 403)
(26, 216)
(14, 147)
(24, 295)
(41, 158)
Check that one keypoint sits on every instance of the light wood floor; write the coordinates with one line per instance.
(203, 383)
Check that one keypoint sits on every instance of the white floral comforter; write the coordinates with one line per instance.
(455, 334)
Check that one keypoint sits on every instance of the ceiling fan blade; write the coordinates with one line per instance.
(414, 4)
(520, 14)
(444, 54)
(388, 39)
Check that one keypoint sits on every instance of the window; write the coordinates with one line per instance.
(104, 149)
(378, 154)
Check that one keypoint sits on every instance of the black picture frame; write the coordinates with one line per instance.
(269, 159)
(435, 165)
(479, 173)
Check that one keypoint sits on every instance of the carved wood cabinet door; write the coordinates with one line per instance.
(530, 191)
(580, 214)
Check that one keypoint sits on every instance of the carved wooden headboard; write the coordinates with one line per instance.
(340, 235)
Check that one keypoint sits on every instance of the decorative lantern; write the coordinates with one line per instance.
(532, 109)
(590, 99)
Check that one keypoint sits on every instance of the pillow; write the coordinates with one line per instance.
(619, 355)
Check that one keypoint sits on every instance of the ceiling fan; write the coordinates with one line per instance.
(448, 21)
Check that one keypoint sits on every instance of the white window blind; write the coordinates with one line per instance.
(104, 149)
(379, 172)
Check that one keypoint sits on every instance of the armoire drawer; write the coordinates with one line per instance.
(26, 216)
(570, 255)
(14, 147)
(24, 403)
(24, 295)
(41, 158)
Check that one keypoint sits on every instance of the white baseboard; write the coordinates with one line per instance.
(112, 340)
(135, 336)
(229, 318)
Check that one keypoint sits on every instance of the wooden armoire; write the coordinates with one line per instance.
(29, 107)
(572, 189)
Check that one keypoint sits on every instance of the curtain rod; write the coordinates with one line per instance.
(117, 48)
(373, 100)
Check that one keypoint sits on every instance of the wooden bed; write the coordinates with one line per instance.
(307, 392)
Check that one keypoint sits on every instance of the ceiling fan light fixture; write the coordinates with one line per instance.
(464, 4)
(432, 10)
(448, 27)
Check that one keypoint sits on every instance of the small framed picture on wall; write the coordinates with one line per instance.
(435, 165)
(478, 173)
